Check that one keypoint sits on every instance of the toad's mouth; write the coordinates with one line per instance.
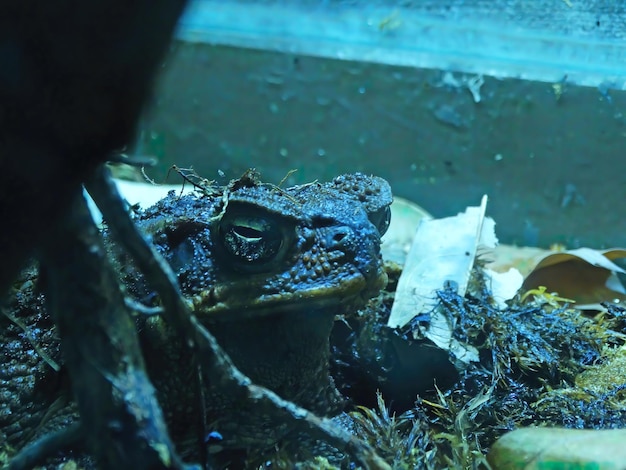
(227, 301)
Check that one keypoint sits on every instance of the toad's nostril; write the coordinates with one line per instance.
(339, 237)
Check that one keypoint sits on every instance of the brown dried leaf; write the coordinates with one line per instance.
(584, 275)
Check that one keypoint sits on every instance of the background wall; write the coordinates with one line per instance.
(549, 155)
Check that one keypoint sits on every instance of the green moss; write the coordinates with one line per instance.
(540, 364)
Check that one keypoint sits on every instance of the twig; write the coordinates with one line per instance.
(36, 452)
(189, 175)
(139, 161)
(141, 309)
(31, 339)
(289, 173)
(215, 363)
(123, 424)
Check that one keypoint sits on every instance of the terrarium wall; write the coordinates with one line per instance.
(548, 155)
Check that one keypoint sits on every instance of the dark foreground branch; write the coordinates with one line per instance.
(74, 77)
(215, 363)
(121, 419)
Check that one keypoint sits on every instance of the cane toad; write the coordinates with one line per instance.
(266, 270)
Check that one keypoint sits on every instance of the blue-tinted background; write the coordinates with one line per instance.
(406, 91)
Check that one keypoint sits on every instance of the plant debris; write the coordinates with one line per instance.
(537, 361)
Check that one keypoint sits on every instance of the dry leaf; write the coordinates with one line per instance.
(443, 251)
(584, 275)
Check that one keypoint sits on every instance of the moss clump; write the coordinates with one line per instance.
(540, 363)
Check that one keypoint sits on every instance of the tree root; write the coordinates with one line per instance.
(50, 444)
(121, 418)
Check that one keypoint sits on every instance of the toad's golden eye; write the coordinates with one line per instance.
(251, 239)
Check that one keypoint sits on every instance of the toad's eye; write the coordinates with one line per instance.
(252, 240)
(381, 219)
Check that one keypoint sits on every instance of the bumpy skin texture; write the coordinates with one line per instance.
(266, 270)
(29, 385)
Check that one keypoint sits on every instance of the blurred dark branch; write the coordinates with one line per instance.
(74, 77)
(215, 363)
